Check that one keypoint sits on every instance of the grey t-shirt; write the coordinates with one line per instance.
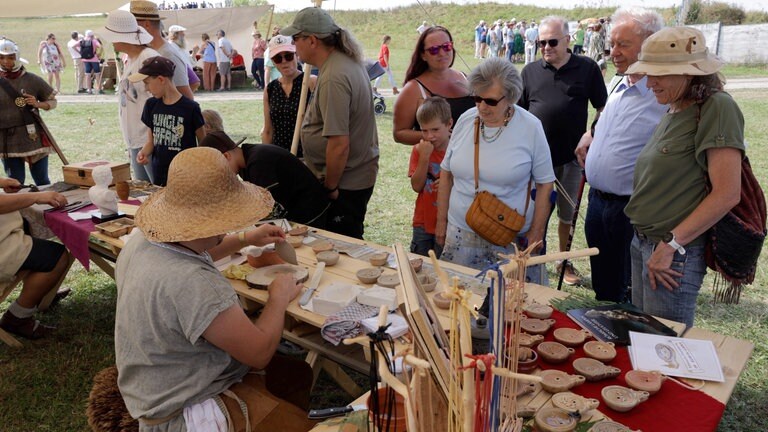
(171, 52)
(343, 105)
(166, 298)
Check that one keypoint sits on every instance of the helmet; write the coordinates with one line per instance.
(9, 47)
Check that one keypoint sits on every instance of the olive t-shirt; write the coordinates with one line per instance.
(670, 175)
(343, 105)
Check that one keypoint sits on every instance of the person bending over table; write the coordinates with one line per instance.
(46, 261)
(182, 339)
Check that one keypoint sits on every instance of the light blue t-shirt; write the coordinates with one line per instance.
(519, 154)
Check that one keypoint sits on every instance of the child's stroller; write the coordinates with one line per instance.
(375, 70)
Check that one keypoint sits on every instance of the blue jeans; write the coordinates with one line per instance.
(679, 304)
(15, 168)
(608, 229)
(140, 172)
(422, 242)
(257, 70)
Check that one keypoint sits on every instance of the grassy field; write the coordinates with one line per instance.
(44, 386)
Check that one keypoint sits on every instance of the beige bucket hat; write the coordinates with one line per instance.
(203, 199)
(676, 51)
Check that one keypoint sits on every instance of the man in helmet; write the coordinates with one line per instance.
(21, 95)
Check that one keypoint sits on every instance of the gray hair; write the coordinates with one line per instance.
(648, 21)
(555, 20)
(497, 70)
(343, 41)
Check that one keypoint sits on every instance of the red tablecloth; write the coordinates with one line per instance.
(673, 408)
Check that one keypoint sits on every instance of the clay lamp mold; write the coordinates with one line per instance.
(388, 280)
(526, 359)
(322, 245)
(555, 381)
(368, 275)
(610, 426)
(622, 399)
(571, 337)
(330, 257)
(574, 403)
(554, 352)
(595, 370)
(555, 420)
(428, 282)
(299, 231)
(538, 310)
(603, 351)
(379, 259)
(536, 326)
(441, 301)
(417, 264)
(530, 341)
(294, 241)
(645, 381)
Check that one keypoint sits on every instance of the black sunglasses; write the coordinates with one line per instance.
(435, 49)
(488, 101)
(278, 58)
(552, 42)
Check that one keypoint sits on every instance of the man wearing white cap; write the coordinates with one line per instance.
(176, 37)
(127, 37)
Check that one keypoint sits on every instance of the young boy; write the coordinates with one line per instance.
(434, 117)
(175, 122)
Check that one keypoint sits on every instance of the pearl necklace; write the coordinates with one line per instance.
(498, 132)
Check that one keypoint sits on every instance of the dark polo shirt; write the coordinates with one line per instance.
(558, 97)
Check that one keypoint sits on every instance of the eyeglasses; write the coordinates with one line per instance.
(552, 42)
(435, 49)
(278, 58)
(488, 101)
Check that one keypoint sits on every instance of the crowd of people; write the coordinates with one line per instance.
(663, 124)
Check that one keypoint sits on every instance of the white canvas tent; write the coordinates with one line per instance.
(39, 8)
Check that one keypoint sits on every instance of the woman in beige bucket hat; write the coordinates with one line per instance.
(671, 208)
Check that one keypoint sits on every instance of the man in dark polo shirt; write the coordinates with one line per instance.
(556, 89)
(293, 186)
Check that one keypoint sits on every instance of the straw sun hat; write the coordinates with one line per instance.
(676, 51)
(203, 199)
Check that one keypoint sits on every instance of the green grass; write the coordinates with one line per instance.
(44, 386)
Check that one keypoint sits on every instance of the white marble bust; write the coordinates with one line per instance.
(100, 195)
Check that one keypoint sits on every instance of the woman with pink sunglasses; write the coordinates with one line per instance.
(430, 74)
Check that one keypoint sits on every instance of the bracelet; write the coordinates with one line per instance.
(241, 237)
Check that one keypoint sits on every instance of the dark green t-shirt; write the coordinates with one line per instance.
(670, 174)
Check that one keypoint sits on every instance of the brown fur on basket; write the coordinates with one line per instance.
(106, 409)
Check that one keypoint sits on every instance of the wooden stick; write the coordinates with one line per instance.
(541, 259)
(441, 274)
(507, 373)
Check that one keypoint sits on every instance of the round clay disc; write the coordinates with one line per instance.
(610, 426)
(388, 280)
(263, 276)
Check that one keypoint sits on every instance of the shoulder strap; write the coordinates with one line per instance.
(422, 87)
(18, 98)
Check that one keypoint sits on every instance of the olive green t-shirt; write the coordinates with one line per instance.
(670, 174)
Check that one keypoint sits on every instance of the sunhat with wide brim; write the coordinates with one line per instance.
(676, 51)
(203, 199)
(145, 10)
(122, 28)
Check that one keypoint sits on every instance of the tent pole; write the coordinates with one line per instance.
(302, 99)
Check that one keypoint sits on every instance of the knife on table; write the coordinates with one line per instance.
(320, 414)
(313, 285)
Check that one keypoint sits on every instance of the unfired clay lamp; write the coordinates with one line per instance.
(301, 231)
(368, 275)
(530, 341)
(594, 370)
(555, 420)
(536, 326)
(610, 426)
(555, 381)
(603, 351)
(388, 280)
(574, 403)
(554, 352)
(622, 399)
(330, 257)
(294, 241)
(379, 258)
(645, 381)
(538, 310)
(571, 337)
(428, 282)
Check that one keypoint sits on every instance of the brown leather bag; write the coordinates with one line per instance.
(488, 216)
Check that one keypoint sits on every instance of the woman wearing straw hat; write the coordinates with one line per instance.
(702, 135)
(181, 337)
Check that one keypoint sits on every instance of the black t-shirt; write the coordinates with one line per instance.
(558, 97)
(291, 183)
(173, 129)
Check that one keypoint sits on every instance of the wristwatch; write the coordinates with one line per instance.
(670, 239)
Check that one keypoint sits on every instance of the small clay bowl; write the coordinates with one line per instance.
(526, 359)
(555, 420)
(530, 341)
(330, 257)
(322, 245)
(428, 283)
(610, 426)
(441, 301)
(388, 280)
(300, 231)
(645, 381)
(417, 264)
(536, 326)
(368, 275)
(594, 370)
(538, 310)
(554, 352)
(379, 259)
(574, 403)
(603, 351)
(294, 240)
(622, 399)
(555, 381)
(571, 337)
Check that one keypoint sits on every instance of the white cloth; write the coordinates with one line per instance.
(223, 45)
(71, 47)
(506, 165)
(205, 416)
(132, 97)
(171, 52)
(627, 122)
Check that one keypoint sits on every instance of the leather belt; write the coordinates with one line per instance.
(607, 196)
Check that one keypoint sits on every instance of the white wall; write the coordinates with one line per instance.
(739, 44)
